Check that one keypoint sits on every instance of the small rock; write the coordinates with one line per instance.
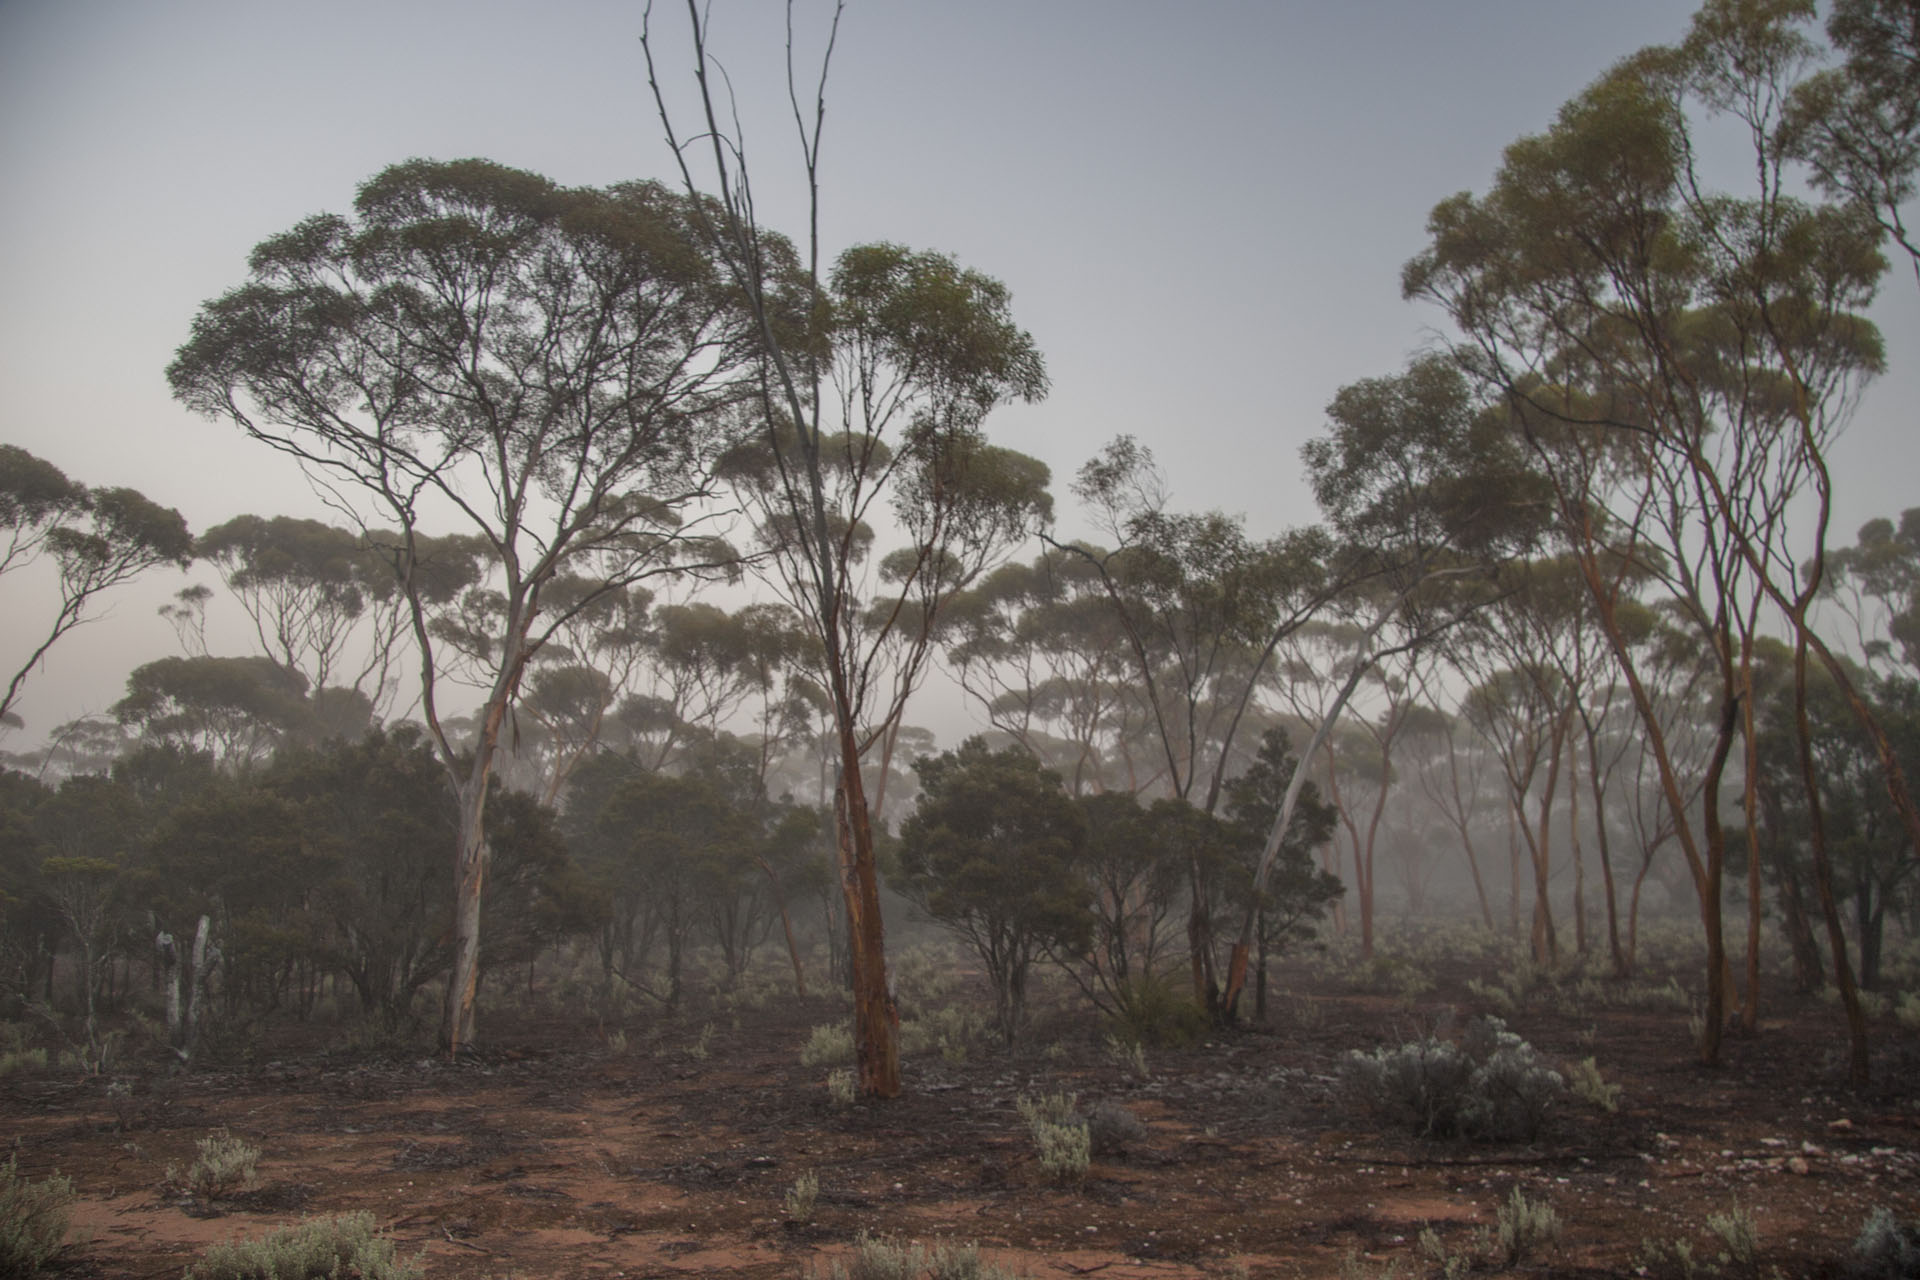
(1773, 1142)
(1799, 1165)
(1842, 1125)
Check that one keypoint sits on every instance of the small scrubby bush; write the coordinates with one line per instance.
(1524, 1226)
(1059, 1132)
(950, 1030)
(320, 1249)
(1885, 1250)
(1065, 1150)
(829, 1045)
(224, 1164)
(841, 1087)
(1158, 1011)
(1112, 1129)
(1049, 1108)
(889, 1258)
(1129, 1055)
(1489, 1086)
(1584, 1078)
(22, 1060)
(802, 1196)
(33, 1220)
(1739, 1233)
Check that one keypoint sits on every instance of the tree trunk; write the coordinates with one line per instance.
(786, 926)
(876, 1022)
(1858, 1062)
(469, 884)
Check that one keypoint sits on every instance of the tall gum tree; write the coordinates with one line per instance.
(97, 539)
(540, 366)
(1424, 502)
(874, 379)
(1202, 609)
(1601, 284)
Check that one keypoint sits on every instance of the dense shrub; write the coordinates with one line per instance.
(1885, 1249)
(1112, 1130)
(1489, 1086)
(321, 1249)
(1159, 1011)
(33, 1220)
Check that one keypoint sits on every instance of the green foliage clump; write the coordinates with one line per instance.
(1112, 1129)
(1885, 1249)
(33, 1220)
(841, 1087)
(320, 1249)
(1157, 1010)
(802, 1196)
(830, 1044)
(22, 1060)
(1584, 1078)
(1490, 1086)
(1739, 1233)
(1524, 1226)
(889, 1258)
(949, 1030)
(1060, 1133)
(223, 1165)
(992, 852)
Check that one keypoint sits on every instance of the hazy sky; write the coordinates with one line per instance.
(1201, 209)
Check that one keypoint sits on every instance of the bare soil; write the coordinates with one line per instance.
(554, 1155)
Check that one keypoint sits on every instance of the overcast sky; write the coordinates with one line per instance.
(1201, 209)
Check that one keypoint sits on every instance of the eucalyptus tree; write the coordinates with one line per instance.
(1290, 898)
(541, 367)
(1524, 713)
(1714, 341)
(875, 378)
(1876, 583)
(1857, 125)
(992, 852)
(1449, 771)
(1356, 756)
(316, 594)
(1543, 634)
(1202, 608)
(1875, 872)
(236, 709)
(1042, 652)
(1424, 498)
(1135, 887)
(97, 539)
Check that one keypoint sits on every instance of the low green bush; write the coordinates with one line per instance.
(223, 1165)
(889, 1258)
(1158, 1011)
(333, 1248)
(1885, 1249)
(1489, 1086)
(830, 1045)
(34, 1217)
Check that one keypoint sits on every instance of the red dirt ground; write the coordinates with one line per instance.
(552, 1155)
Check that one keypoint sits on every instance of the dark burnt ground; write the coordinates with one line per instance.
(554, 1155)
